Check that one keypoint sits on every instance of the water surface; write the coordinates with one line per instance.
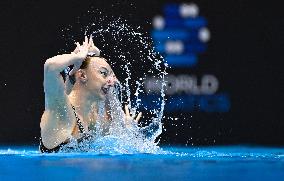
(175, 163)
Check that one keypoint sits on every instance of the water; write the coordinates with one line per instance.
(116, 136)
(175, 163)
(133, 153)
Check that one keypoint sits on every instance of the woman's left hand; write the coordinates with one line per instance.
(131, 120)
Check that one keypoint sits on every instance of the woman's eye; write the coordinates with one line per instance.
(104, 73)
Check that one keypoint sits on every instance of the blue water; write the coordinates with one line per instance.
(192, 163)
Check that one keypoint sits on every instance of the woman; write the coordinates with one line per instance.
(71, 106)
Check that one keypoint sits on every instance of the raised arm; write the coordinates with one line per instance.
(58, 119)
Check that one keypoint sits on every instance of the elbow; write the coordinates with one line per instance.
(50, 66)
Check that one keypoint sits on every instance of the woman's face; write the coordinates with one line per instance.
(100, 77)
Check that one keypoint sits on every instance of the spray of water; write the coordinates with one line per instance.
(124, 41)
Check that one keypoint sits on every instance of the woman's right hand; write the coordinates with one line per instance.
(93, 50)
(86, 49)
(81, 52)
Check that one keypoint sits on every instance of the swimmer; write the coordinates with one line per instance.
(72, 101)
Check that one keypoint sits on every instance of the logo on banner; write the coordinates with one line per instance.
(180, 35)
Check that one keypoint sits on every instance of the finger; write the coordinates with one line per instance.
(91, 41)
(77, 48)
(86, 41)
(126, 110)
(84, 48)
(138, 117)
(77, 44)
(133, 116)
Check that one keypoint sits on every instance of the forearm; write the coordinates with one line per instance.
(60, 62)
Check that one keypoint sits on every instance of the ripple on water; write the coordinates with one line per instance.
(191, 153)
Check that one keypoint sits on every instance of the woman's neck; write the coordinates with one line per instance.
(86, 105)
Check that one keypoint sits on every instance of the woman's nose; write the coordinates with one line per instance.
(112, 80)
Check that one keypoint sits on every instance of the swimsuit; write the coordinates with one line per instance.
(43, 149)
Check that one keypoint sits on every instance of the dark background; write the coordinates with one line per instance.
(245, 53)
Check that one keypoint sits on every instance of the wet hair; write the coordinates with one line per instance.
(86, 63)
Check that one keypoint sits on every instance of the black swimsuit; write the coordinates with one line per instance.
(43, 149)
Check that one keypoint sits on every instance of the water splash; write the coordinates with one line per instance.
(119, 41)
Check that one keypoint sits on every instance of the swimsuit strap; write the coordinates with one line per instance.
(43, 149)
(79, 123)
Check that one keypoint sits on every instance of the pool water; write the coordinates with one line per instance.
(190, 163)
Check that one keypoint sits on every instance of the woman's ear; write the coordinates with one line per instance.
(82, 75)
